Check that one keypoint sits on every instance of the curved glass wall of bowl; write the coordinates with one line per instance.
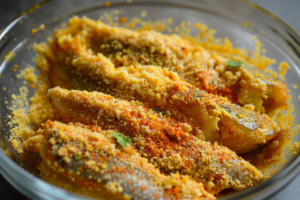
(227, 17)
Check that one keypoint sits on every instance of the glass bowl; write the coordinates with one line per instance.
(227, 17)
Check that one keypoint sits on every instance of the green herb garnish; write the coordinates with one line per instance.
(121, 139)
(234, 64)
(77, 157)
(227, 109)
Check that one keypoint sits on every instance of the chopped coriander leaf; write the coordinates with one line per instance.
(227, 109)
(234, 64)
(77, 157)
(121, 139)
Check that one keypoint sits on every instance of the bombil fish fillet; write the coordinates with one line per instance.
(236, 127)
(91, 159)
(168, 144)
(206, 70)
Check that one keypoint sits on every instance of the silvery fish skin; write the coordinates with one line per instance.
(126, 179)
(89, 157)
(164, 90)
(235, 127)
(196, 65)
(168, 144)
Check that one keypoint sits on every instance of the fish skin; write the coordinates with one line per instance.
(165, 142)
(192, 61)
(100, 162)
(241, 131)
(165, 90)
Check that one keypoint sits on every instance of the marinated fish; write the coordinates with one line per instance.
(90, 158)
(236, 127)
(171, 146)
(206, 70)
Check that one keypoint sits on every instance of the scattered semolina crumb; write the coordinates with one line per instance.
(295, 86)
(42, 27)
(4, 88)
(245, 24)
(9, 56)
(107, 3)
(144, 13)
(33, 31)
(123, 20)
(295, 148)
(15, 143)
(14, 97)
(254, 37)
(32, 86)
(273, 61)
(28, 74)
(283, 66)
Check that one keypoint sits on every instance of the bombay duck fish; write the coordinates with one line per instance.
(206, 70)
(90, 161)
(168, 144)
(236, 127)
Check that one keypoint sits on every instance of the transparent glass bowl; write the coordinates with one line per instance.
(227, 17)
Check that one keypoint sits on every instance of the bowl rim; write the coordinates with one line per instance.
(263, 190)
